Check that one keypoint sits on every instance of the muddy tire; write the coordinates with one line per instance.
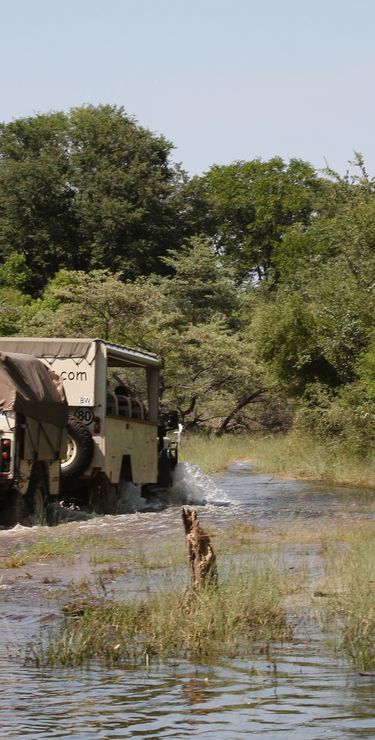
(164, 470)
(80, 449)
(37, 498)
(102, 496)
(39, 503)
(11, 509)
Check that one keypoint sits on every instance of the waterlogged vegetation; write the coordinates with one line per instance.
(293, 455)
(50, 547)
(260, 599)
(350, 585)
(160, 616)
(128, 602)
(56, 609)
(241, 616)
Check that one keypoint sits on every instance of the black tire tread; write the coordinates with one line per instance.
(85, 448)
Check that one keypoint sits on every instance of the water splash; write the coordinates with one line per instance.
(131, 499)
(192, 486)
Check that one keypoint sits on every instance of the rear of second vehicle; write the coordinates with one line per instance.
(33, 420)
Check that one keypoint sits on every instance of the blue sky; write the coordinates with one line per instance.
(221, 79)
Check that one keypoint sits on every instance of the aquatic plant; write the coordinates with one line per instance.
(350, 572)
(241, 616)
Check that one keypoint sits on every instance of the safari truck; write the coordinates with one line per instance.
(33, 418)
(115, 435)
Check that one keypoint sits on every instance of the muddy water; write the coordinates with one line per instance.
(299, 690)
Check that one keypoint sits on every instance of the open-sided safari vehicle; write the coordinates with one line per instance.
(115, 435)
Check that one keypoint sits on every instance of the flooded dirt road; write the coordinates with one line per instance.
(300, 689)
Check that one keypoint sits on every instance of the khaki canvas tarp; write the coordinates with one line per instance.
(29, 387)
(51, 348)
(78, 350)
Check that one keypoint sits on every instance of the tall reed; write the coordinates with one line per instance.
(350, 572)
(294, 455)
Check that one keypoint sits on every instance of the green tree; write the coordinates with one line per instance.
(344, 229)
(285, 337)
(200, 285)
(247, 207)
(99, 304)
(36, 195)
(14, 306)
(207, 369)
(211, 377)
(87, 189)
(15, 303)
(315, 332)
(15, 273)
(124, 190)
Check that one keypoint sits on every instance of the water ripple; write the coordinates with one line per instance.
(298, 691)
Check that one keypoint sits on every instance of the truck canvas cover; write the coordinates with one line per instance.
(78, 350)
(82, 363)
(29, 387)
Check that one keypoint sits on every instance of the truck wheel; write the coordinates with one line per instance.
(103, 496)
(80, 449)
(38, 501)
(38, 509)
(11, 509)
(164, 470)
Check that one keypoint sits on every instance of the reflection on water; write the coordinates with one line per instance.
(299, 693)
(299, 690)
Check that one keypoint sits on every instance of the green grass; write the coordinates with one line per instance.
(350, 580)
(303, 456)
(285, 455)
(51, 547)
(42, 550)
(214, 453)
(104, 559)
(167, 555)
(239, 617)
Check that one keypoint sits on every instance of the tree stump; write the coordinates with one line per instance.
(201, 555)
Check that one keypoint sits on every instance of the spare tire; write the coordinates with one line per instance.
(80, 449)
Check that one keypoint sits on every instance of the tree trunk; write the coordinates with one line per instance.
(241, 404)
(201, 555)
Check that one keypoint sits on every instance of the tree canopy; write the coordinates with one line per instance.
(86, 189)
(247, 207)
(254, 281)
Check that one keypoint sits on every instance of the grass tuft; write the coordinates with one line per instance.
(50, 547)
(243, 614)
(350, 572)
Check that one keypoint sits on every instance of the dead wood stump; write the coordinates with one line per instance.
(201, 555)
